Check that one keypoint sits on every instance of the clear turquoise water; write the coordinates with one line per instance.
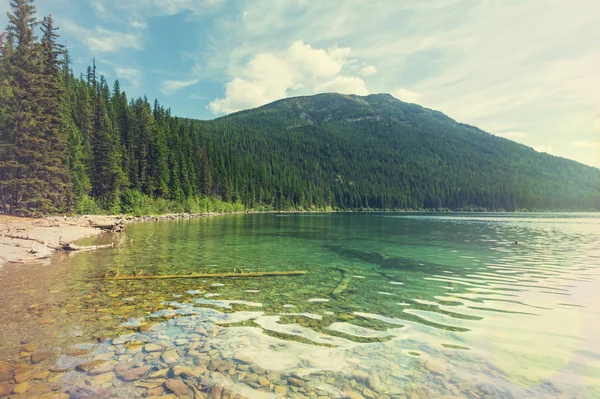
(430, 304)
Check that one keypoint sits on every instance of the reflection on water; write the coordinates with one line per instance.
(392, 306)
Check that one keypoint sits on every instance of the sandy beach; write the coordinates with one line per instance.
(21, 238)
(25, 240)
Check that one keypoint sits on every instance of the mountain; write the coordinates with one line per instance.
(377, 152)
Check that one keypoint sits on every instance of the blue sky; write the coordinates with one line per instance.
(527, 70)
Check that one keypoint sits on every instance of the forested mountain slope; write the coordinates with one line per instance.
(357, 152)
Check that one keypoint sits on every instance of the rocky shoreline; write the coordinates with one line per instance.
(24, 240)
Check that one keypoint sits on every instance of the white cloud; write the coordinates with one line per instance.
(407, 96)
(271, 76)
(100, 40)
(139, 25)
(138, 10)
(586, 144)
(368, 70)
(547, 148)
(242, 94)
(132, 75)
(316, 62)
(511, 135)
(344, 85)
(172, 7)
(173, 86)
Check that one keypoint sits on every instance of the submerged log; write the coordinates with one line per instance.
(343, 284)
(213, 275)
(72, 247)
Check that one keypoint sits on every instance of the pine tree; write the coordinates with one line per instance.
(23, 188)
(108, 176)
(51, 113)
(7, 146)
(159, 154)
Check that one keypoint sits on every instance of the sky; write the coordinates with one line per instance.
(526, 70)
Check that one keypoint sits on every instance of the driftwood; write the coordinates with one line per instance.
(115, 226)
(61, 246)
(23, 238)
(72, 247)
(214, 275)
(343, 284)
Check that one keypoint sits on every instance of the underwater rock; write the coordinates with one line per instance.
(85, 393)
(353, 395)
(200, 360)
(150, 384)
(375, 381)
(134, 374)
(149, 348)
(42, 375)
(264, 382)
(5, 389)
(239, 357)
(282, 390)
(105, 368)
(201, 330)
(369, 394)
(159, 374)
(360, 375)
(85, 367)
(30, 348)
(176, 386)
(170, 357)
(461, 376)
(4, 367)
(63, 364)
(296, 381)
(179, 370)
(22, 374)
(436, 366)
(124, 366)
(40, 357)
(102, 378)
(105, 356)
(21, 388)
(197, 372)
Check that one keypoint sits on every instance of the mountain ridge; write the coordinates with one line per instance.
(274, 107)
(375, 151)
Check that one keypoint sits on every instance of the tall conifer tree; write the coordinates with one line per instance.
(51, 115)
(23, 189)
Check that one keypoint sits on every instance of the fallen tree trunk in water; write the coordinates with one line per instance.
(343, 284)
(214, 275)
(72, 247)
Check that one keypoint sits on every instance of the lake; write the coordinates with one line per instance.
(393, 305)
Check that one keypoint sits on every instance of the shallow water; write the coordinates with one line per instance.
(393, 305)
